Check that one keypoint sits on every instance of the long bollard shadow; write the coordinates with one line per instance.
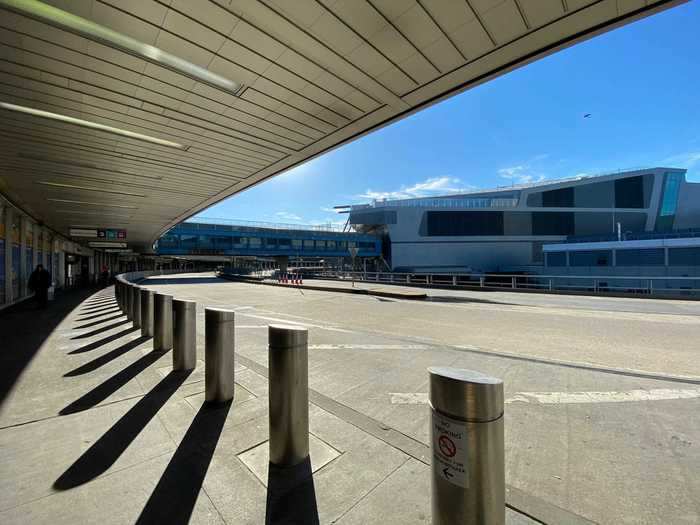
(96, 309)
(291, 496)
(111, 385)
(100, 330)
(99, 321)
(106, 450)
(101, 314)
(96, 363)
(175, 495)
(94, 304)
(103, 341)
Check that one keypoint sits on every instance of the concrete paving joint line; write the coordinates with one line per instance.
(517, 500)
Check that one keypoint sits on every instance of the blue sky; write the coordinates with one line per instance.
(641, 84)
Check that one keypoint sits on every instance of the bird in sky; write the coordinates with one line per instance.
(587, 115)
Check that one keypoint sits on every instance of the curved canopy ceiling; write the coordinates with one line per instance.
(182, 103)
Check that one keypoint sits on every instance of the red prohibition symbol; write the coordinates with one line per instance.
(447, 446)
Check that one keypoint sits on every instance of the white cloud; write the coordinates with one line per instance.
(683, 160)
(287, 216)
(522, 174)
(327, 209)
(432, 186)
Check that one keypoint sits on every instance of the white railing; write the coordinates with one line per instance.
(637, 285)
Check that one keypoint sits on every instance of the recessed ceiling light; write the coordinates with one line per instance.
(89, 124)
(69, 201)
(86, 188)
(88, 29)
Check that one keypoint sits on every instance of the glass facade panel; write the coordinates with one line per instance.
(222, 242)
(205, 242)
(648, 257)
(591, 258)
(296, 244)
(284, 244)
(254, 242)
(669, 202)
(188, 242)
(169, 240)
(464, 223)
(684, 256)
(552, 223)
(308, 244)
(556, 259)
(239, 242)
(629, 192)
(561, 198)
(320, 245)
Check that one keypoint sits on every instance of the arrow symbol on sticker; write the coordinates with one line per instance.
(447, 473)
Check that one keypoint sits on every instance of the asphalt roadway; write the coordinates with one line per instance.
(620, 457)
(602, 397)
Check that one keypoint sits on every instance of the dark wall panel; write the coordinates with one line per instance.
(553, 223)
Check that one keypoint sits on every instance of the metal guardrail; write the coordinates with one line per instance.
(636, 285)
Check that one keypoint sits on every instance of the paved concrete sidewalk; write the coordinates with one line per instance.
(96, 428)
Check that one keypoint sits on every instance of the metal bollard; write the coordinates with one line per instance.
(288, 380)
(137, 307)
(219, 348)
(147, 299)
(129, 302)
(468, 471)
(184, 335)
(162, 322)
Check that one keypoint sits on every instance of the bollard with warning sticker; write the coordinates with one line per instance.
(467, 456)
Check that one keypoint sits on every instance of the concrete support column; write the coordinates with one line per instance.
(6, 232)
(24, 271)
(44, 251)
(9, 292)
(35, 245)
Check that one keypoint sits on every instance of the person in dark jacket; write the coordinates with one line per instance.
(39, 283)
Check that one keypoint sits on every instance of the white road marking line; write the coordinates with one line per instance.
(409, 398)
(367, 347)
(556, 398)
(296, 323)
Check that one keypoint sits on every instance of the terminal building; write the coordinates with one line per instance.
(648, 218)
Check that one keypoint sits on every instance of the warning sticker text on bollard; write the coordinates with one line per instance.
(449, 441)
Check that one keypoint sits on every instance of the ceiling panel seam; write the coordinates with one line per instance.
(410, 42)
(392, 99)
(444, 33)
(263, 108)
(315, 102)
(242, 44)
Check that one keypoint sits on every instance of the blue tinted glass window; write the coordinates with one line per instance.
(669, 201)
(684, 256)
(556, 259)
(591, 258)
(647, 257)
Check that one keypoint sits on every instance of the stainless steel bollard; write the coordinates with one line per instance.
(147, 299)
(184, 335)
(288, 380)
(219, 348)
(162, 322)
(136, 309)
(129, 302)
(468, 471)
